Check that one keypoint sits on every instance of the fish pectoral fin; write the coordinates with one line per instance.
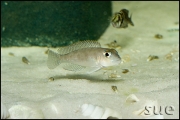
(73, 67)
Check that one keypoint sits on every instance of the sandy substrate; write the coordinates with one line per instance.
(27, 92)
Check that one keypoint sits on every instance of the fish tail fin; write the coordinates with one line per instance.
(53, 59)
(131, 20)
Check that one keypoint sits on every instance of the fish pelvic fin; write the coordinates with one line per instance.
(53, 59)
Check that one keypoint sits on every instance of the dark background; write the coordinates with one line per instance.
(52, 23)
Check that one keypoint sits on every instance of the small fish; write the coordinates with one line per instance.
(83, 55)
(121, 19)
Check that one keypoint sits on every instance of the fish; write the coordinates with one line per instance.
(85, 55)
(121, 20)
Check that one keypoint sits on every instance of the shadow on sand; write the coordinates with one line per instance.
(89, 77)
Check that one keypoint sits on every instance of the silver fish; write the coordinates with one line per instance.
(121, 20)
(83, 56)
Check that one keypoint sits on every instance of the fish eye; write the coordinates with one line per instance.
(107, 54)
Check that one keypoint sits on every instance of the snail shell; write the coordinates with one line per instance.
(97, 112)
(132, 98)
(4, 111)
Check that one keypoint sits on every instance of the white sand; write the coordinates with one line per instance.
(27, 92)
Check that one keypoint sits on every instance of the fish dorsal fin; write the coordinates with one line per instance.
(78, 45)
